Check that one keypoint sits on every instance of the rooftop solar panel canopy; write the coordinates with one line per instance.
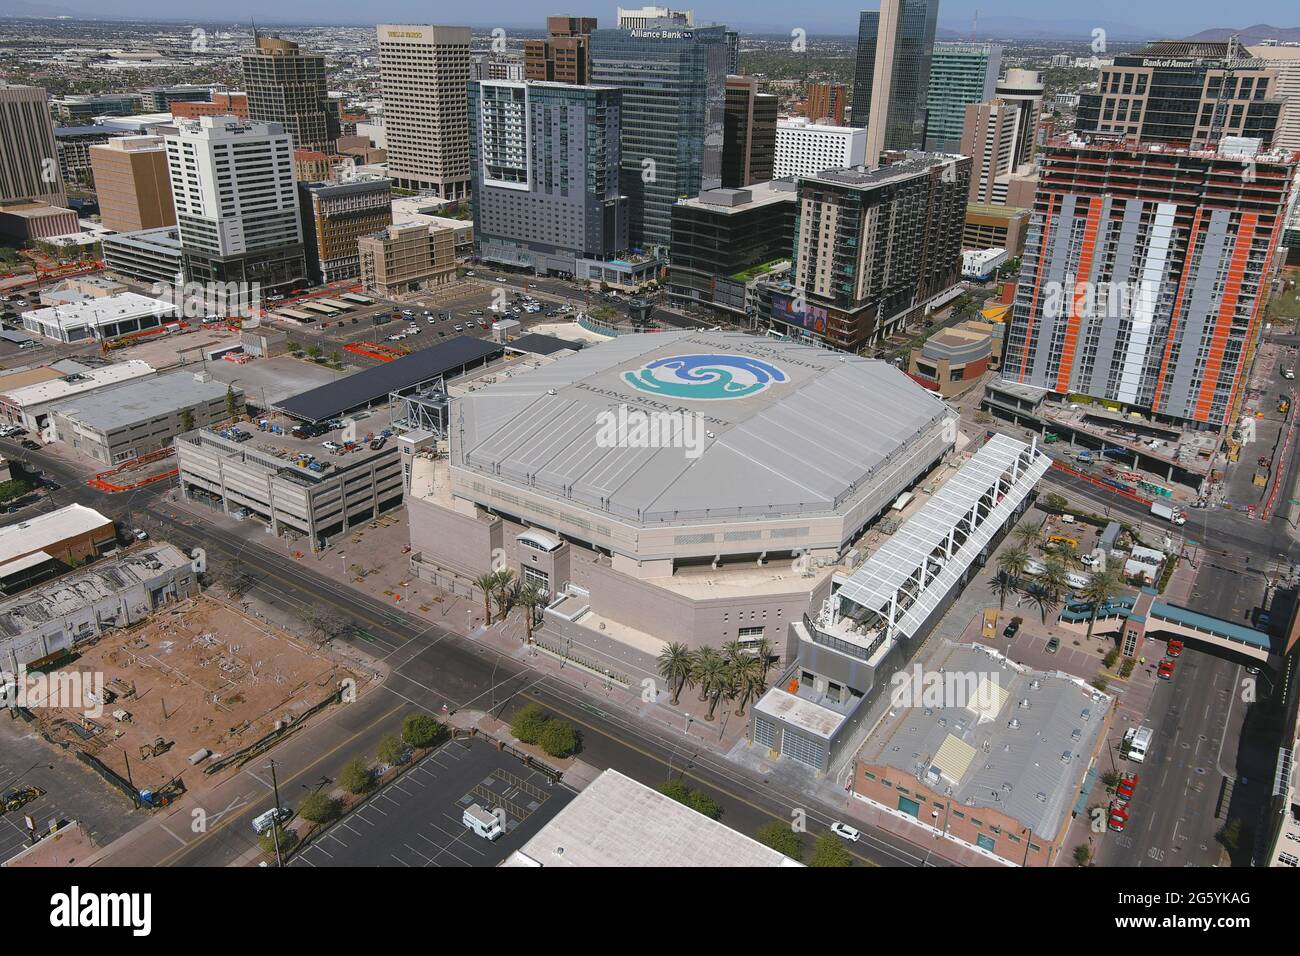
(373, 384)
(540, 344)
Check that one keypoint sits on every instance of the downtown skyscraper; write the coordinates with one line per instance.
(286, 86)
(423, 72)
(673, 82)
(891, 80)
(960, 74)
(236, 204)
(1144, 276)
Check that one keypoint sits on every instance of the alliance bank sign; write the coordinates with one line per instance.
(662, 34)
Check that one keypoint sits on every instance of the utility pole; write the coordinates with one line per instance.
(275, 821)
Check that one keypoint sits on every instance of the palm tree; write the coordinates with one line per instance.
(1001, 585)
(1031, 535)
(675, 665)
(710, 672)
(751, 681)
(763, 651)
(1102, 587)
(1068, 554)
(733, 652)
(505, 590)
(530, 597)
(487, 583)
(1011, 568)
(1050, 587)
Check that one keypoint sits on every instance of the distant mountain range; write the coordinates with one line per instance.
(1260, 31)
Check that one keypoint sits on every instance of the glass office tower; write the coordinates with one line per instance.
(673, 79)
(892, 79)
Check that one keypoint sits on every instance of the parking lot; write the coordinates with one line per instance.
(417, 819)
(72, 792)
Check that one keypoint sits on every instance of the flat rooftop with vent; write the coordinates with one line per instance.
(994, 754)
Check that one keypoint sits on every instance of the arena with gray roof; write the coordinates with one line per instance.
(806, 443)
(722, 526)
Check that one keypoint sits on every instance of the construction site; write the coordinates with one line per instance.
(194, 690)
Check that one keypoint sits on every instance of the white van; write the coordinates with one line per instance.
(1136, 742)
(482, 822)
(264, 821)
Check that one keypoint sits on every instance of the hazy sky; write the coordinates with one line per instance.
(1163, 17)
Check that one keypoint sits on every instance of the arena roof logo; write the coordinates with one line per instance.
(705, 377)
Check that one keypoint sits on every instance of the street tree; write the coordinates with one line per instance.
(676, 665)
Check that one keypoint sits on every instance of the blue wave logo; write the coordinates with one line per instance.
(705, 377)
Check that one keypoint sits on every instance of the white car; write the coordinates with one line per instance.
(502, 279)
(140, 534)
(845, 831)
(331, 446)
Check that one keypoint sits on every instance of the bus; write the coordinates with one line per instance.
(356, 299)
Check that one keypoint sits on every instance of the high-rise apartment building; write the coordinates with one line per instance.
(423, 72)
(804, 148)
(672, 79)
(132, 183)
(1025, 89)
(991, 137)
(236, 203)
(749, 133)
(1171, 91)
(335, 215)
(824, 103)
(1145, 275)
(872, 249)
(643, 17)
(287, 86)
(564, 56)
(29, 159)
(960, 74)
(545, 161)
(892, 75)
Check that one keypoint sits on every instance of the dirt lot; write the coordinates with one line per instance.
(205, 676)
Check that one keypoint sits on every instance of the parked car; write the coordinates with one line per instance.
(140, 534)
(1053, 645)
(30, 445)
(1166, 670)
(845, 831)
(1174, 647)
(1127, 786)
(378, 443)
(1012, 628)
(1118, 818)
(331, 446)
